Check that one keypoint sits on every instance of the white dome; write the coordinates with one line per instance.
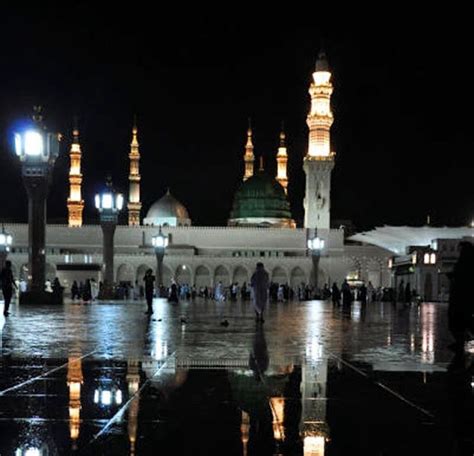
(167, 211)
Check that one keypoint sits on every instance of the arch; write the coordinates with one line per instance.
(167, 276)
(183, 274)
(50, 271)
(297, 276)
(374, 272)
(125, 273)
(202, 277)
(141, 272)
(355, 269)
(221, 274)
(241, 275)
(279, 275)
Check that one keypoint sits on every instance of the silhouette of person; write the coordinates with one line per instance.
(346, 293)
(363, 294)
(149, 280)
(173, 297)
(336, 294)
(460, 308)
(8, 283)
(259, 283)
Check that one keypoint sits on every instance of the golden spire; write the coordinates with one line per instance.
(75, 203)
(134, 203)
(249, 154)
(320, 118)
(282, 161)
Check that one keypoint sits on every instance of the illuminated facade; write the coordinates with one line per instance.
(134, 203)
(249, 156)
(282, 163)
(319, 161)
(75, 203)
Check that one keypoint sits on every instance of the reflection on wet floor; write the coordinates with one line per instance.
(314, 380)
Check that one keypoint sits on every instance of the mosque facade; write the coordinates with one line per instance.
(260, 226)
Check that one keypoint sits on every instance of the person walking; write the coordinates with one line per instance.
(346, 293)
(363, 294)
(74, 290)
(336, 295)
(173, 294)
(259, 283)
(149, 280)
(8, 282)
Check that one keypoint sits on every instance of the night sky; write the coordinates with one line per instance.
(402, 102)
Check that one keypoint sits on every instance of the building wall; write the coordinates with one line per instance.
(205, 255)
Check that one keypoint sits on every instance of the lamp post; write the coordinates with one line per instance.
(160, 242)
(109, 204)
(315, 245)
(5, 244)
(37, 150)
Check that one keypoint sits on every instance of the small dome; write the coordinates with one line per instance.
(261, 201)
(167, 211)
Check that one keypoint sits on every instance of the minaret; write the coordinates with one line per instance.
(134, 204)
(282, 162)
(75, 203)
(319, 160)
(249, 155)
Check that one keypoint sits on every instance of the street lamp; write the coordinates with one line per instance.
(6, 240)
(109, 204)
(37, 150)
(160, 242)
(315, 245)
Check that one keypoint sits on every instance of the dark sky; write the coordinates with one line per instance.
(402, 103)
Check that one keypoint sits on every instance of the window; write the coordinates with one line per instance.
(433, 258)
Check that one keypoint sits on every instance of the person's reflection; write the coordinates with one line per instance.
(460, 378)
(293, 409)
(260, 440)
(259, 358)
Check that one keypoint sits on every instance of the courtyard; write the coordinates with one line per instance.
(314, 379)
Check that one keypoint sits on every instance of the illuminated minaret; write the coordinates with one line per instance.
(319, 160)
(134, 204)
(75, 203)
(282, 161)
(249, 157)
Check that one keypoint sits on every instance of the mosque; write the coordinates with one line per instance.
(260, 226)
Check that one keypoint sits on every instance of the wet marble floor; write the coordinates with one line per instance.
(312, 380)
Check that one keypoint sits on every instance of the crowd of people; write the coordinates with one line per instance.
(261, 290)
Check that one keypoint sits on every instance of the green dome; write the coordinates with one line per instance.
(261, 200)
